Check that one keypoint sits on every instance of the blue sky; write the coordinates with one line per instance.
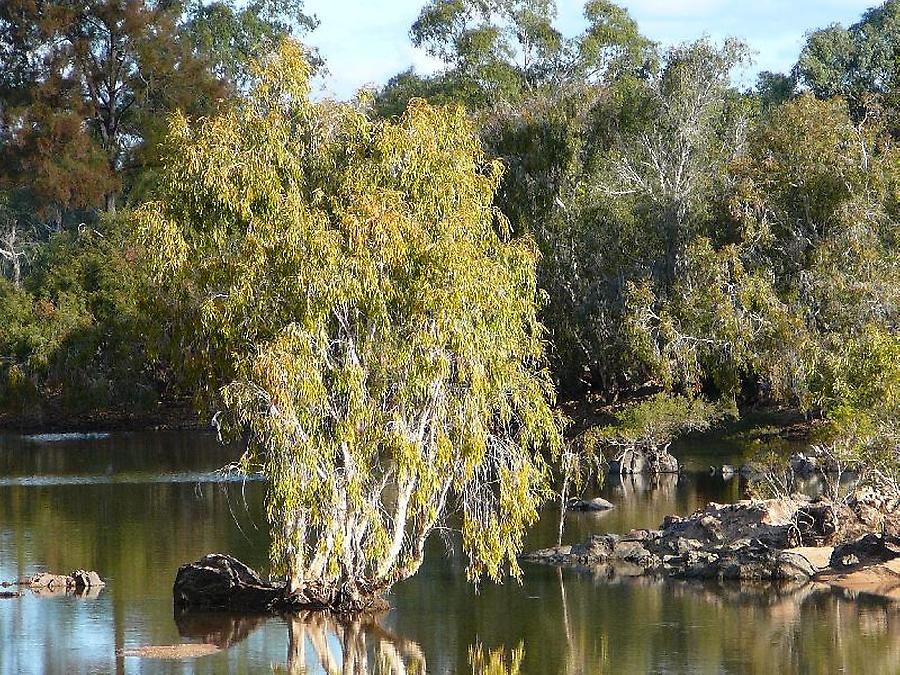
(365, 42)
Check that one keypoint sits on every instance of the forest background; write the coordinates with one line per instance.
(712, 244)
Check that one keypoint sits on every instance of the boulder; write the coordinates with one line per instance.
(595, 504)
(869, 550)
(219, 581)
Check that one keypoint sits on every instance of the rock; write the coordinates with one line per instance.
(83, 580)
(219, 581)
(6, 595)
(596, 549)
(644, 461)
(869, 550)
(728, 471)
(595, 504)
(818, 556)
(52, 581)
(175, 652)
(750, 540)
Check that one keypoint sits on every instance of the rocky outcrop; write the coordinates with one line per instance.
(749, 540)
(871, 549)
(81, 583)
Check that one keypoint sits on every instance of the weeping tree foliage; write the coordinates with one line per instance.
(352, 302)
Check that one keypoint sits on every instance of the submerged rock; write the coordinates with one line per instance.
(79, 580)
(81, 583)
(595, 504)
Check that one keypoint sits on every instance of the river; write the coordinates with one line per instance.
(136, 506)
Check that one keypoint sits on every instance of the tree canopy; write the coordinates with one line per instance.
(504, 50)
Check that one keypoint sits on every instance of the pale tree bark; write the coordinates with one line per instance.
(12, 250)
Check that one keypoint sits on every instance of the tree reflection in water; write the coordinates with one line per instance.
(316, 640)
(666, 626)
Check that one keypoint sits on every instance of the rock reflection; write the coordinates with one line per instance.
(221, 629)
(727, 626)
(662, 486)
(317, 641)
(10, 591)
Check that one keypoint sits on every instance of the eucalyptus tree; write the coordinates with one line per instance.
(353, 303)
(505, 51)
(230, 36)
(857, 63)
(636, 223)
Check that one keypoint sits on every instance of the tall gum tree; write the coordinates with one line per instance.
(356, 308)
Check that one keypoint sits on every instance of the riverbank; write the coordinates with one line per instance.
(53, 418)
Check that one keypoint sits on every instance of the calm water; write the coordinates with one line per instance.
(136, 506)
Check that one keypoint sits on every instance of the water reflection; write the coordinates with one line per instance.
(222, 629)
(316, 641)
(137, 533)
(655, 626)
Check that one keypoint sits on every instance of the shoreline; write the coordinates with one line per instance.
(174, 416)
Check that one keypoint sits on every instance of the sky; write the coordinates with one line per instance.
(365, 42)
